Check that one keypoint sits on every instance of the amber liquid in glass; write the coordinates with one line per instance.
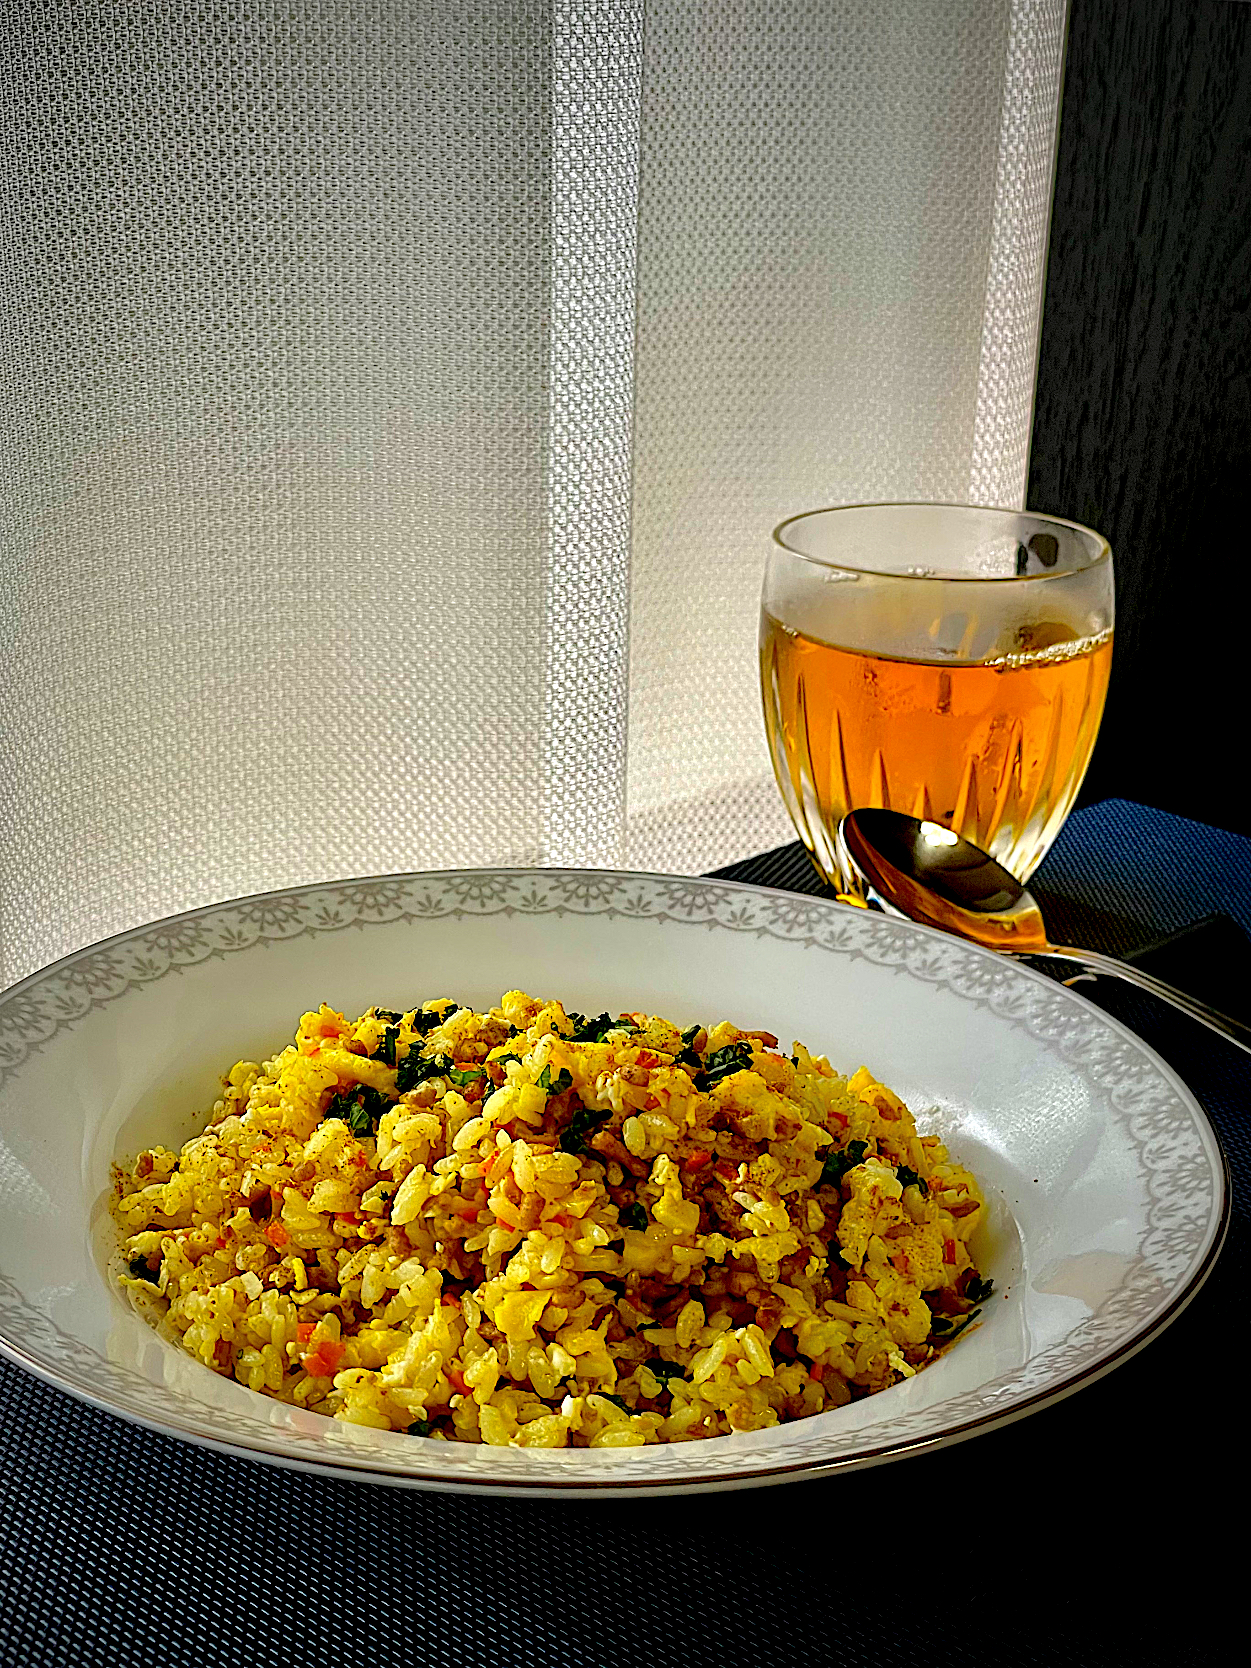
(994, 749)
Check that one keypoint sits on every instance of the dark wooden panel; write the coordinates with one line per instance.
(1143, 416)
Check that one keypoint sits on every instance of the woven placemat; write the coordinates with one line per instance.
(1054, 1540)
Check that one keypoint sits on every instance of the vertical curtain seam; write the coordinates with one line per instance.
(1016, 261)
(596, 91)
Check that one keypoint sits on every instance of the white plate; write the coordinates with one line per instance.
(1107, 1185)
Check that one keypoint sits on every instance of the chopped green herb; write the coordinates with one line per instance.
(592, 1030)
(424, 1022)
(360, 1107)
(688, 1056)
(562, 1081)
(910, 1178)
(388, 1016)
(584, 1120)
(385, 1051)
(977, 1291)
(665, 1370)
(633, 1216)
(138, 1269)
(502, 1060)
(414, 1068)
(419, 1427)
(838, 1164)
(944, 1327)
(470, 1075)
(724, 1062)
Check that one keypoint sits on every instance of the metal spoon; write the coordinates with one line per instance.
(932, 875)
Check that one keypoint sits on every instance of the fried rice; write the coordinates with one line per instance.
(527, 1227)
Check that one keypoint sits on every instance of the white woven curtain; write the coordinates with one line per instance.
(395, 400)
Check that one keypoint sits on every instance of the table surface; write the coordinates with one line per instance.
(1089, 1532)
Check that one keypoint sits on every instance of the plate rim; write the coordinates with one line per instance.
(344, 1467)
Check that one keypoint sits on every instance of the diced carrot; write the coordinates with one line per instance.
(276, 1234)
(323, 1362)
(949, 1250)
(304, 1331)
(648, 1060)
(817, 1371)
(221, 1243)
(347, 1216)
(456, 1379)
(697, 1160)
(562, 1221)
(840, 1118)
(726, 1169)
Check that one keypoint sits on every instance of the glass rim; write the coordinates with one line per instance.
(1102, 555)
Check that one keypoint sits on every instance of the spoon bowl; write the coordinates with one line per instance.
(933, 875)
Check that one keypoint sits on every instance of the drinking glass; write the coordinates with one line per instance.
(940, 659)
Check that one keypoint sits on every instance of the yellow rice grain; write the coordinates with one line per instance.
(590, 1240)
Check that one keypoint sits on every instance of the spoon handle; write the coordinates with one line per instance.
(1094, 962)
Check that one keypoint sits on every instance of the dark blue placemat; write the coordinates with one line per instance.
(1078, 1536)
(1129, 870)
